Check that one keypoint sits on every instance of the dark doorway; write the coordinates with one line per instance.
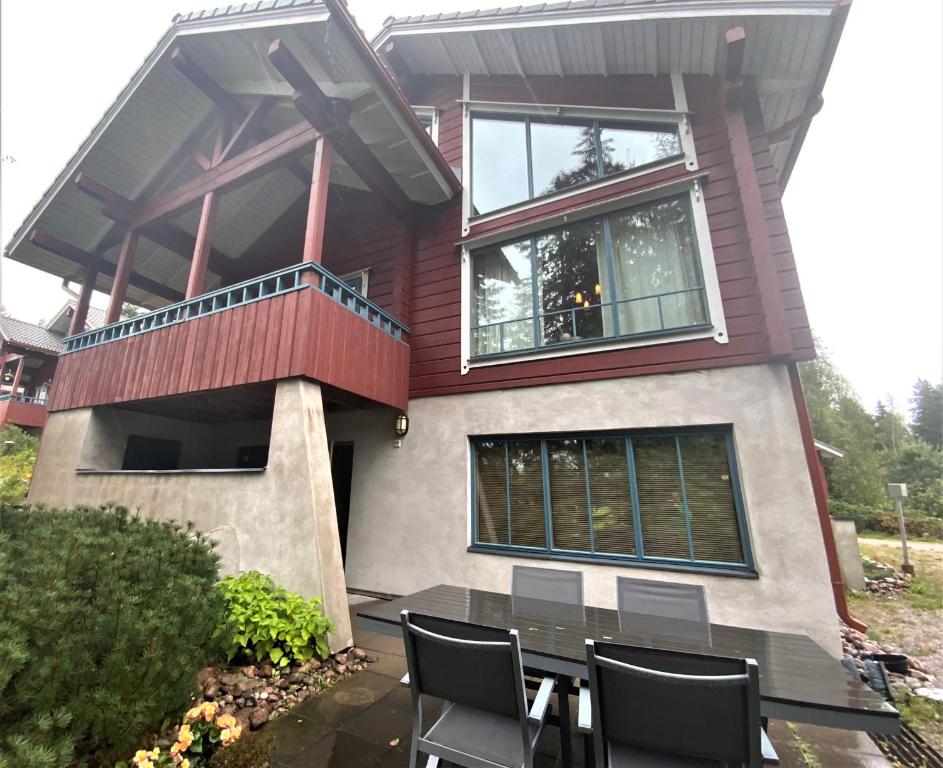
(342, 467)
(144, 452)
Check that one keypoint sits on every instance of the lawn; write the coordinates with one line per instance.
(913, 622)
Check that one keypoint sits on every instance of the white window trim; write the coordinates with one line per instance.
(363, 274)
(718, 323)
(678, 117)
(433, 113)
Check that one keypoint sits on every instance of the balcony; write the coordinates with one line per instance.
(23, 411)
(298, 321)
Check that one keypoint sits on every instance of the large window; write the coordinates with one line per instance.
(661, 497)
(630, 273)
(515, 158)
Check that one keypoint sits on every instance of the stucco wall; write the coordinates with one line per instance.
(410, 518)
(849, 555)
(281, 521)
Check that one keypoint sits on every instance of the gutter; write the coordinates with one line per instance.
(820, 491)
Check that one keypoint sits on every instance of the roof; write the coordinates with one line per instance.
(62, 320)
(790, 45)
(829, 450)
(136, 147)
(29, 335)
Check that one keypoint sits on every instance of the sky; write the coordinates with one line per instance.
(864, 205)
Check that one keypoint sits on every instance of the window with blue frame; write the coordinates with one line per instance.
(634, 272)
(668, 497)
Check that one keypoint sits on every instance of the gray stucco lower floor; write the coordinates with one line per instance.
(365, 722)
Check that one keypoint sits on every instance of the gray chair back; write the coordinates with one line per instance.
(672, 702)
(547, 592)
(465, 664)
(662, 598)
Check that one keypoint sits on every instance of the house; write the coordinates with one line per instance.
(28, 357)
(507, 286)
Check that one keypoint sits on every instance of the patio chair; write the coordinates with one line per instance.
(477, 672)
(653, 708)
(684, 606)
(549, 592)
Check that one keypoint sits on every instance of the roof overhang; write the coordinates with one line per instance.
(789, 49)
(135, 149)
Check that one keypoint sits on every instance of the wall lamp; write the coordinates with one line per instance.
(401, 425)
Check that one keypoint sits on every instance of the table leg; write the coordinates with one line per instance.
(563, 706)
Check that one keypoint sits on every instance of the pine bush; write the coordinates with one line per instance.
(104, 620)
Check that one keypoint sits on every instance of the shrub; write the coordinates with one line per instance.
(264, 621)
(104, 620)
(16, 464)
(253, 751)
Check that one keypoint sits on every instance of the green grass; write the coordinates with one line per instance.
(885, 536)
(925, 595)
(808, 755)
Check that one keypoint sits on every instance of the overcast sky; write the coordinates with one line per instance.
(863, 206)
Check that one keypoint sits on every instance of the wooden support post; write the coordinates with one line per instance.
(203, 245)
(20, 364)
(317, 202)
(119, 287)
(85, 296)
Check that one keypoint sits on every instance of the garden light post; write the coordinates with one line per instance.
(898, 492)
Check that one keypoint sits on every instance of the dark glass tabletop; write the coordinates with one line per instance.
(799, 680)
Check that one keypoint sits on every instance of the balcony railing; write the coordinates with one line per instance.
(7, 396)
(258, 288)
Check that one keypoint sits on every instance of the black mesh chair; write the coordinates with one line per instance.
(647, 707)
(486, 720)
(548, 590)
(683, 607)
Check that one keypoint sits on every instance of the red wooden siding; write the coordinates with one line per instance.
(435, 318)
(303, 333)
(22, 414)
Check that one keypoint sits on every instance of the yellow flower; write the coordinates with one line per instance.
(229, 735)
(185, 763)
(208, 708)
(184, 739)
(225, 721)
(142, 758)
(192, 714)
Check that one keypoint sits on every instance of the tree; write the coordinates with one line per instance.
(17, 457)
(927, 412)
(129, 311)
(920, 465)
(892, 432)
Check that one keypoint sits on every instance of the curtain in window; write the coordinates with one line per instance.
(491, 493)
(568, 505)
(527, 494)
(655, 253)
(661, 505)
(613, 529)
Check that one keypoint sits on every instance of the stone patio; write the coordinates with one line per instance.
(366, 721)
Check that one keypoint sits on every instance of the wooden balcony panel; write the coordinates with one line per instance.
(22, 411)
(317, 329)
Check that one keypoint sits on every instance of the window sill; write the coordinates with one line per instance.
(587, 346)
(233, 471)
(742, 572)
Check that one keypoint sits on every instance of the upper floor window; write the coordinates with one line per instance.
(632, 272)
(518, 157)
(659, 496)
(429, 119)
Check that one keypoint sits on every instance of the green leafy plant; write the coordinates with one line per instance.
(16, 464)
(104, 620)
(267, 622)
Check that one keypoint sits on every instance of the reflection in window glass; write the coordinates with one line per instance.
(499, 169)
(624, 148)
(502, 311)
(657, 271)
(562, 156)
(571, 295)
(516, 158)
(525, 480)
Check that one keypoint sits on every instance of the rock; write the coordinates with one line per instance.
(228, 698)
(250, 671)
(310, 665)
(340, 658)
(262, 696)
(240, 702)
(296, 678)
(237, 683)
(211, 691)
(370, 659)
(328, 674)
(283, 683)
(258, 718)
(341, 669)
(357, 653)
(936, 694)
(205, 675)
(266, 668)
(242, 717)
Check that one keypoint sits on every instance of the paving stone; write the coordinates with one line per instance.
(339, 750)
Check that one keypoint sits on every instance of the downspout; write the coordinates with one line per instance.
(820, 491)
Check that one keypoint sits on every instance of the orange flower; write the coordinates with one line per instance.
(229, 735)
(193, 714)
(225, 721)
(208, 708)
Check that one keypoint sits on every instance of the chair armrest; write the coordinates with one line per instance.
(769, 752)
(584, 716)
(538, 709)
(404, 680)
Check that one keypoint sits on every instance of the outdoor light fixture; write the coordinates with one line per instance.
(579, 297)
(7, 376)
(401, 425)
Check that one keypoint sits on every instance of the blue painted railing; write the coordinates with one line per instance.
(23, 399)
(258, 288)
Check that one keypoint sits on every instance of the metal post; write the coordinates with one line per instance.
(906, 567)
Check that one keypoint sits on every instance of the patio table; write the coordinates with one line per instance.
(799, 680)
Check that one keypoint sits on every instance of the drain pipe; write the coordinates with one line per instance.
(820, 491)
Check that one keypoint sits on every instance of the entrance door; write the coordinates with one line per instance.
(342, 466)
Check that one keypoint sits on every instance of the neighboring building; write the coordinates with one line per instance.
(28, 357)
(552, 235)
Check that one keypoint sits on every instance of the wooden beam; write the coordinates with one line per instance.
(201, 249)
(236, 170)
(396, 62)
(19, 374)
(330, 117)
(118, 204)
(119, 288)
(79, 256)
(317, 202)
(785, 130)
(85, 296)
(227, 103)
(250, 127)
(735, 46)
